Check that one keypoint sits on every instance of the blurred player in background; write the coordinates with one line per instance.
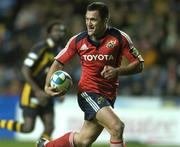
(34, 101)
(101, 49)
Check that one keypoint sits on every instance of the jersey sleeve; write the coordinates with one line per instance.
(68, 52)
(34, 54)
(128, 49)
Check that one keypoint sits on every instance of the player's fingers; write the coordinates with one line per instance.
(60, 93)
(102, 73)
(51, 88)
(109, 74)
(56, 94)
(104, 70)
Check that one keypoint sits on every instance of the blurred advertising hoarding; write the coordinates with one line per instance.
(7, 111)
(146, 121)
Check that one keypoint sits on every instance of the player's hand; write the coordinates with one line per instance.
(53, 92)
(109, 72)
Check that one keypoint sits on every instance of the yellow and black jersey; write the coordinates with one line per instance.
(39, 60)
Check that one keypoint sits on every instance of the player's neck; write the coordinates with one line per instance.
(100, 35)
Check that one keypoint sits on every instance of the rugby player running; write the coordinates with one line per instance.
(100, 49)
(34, 101)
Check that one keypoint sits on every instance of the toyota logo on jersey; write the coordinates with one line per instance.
(99, 57)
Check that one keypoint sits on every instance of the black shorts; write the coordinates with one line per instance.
(90, 103)
(31, 109)
(38, 111)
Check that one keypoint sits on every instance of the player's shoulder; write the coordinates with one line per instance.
(78, 37)
(121, 35)
(39, 46)
(115, 32)
(81, 36)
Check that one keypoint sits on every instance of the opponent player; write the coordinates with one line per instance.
(100, 48)
(34, 101)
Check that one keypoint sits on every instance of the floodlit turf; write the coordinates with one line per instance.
(12, 143)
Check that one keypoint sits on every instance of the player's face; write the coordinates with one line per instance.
(57, 32)
(95, 24)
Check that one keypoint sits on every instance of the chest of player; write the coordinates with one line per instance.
(107, 50)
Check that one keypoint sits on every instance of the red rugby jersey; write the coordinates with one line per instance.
(94, 56)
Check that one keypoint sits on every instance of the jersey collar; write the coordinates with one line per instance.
(97, 43)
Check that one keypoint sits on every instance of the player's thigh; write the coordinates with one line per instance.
(29, 116)
(108, 118)
(89, 132)
(47, 116)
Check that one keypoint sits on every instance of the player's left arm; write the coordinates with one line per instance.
(132, 54)
(132, 68)
(135, 65)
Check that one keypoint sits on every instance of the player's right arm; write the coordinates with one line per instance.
(48, 89)
(63, 57)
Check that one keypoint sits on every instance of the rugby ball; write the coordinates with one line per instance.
(61, 80)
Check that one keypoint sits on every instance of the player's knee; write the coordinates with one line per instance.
(27, 128)
(83, 142)
(117, 128)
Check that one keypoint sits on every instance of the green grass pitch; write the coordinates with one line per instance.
(14, 143)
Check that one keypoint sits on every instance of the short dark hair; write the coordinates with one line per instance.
(51, 24)
(101, 7)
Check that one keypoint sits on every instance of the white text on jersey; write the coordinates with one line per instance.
(98, 57)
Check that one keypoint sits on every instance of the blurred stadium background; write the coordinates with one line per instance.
(149, 103)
